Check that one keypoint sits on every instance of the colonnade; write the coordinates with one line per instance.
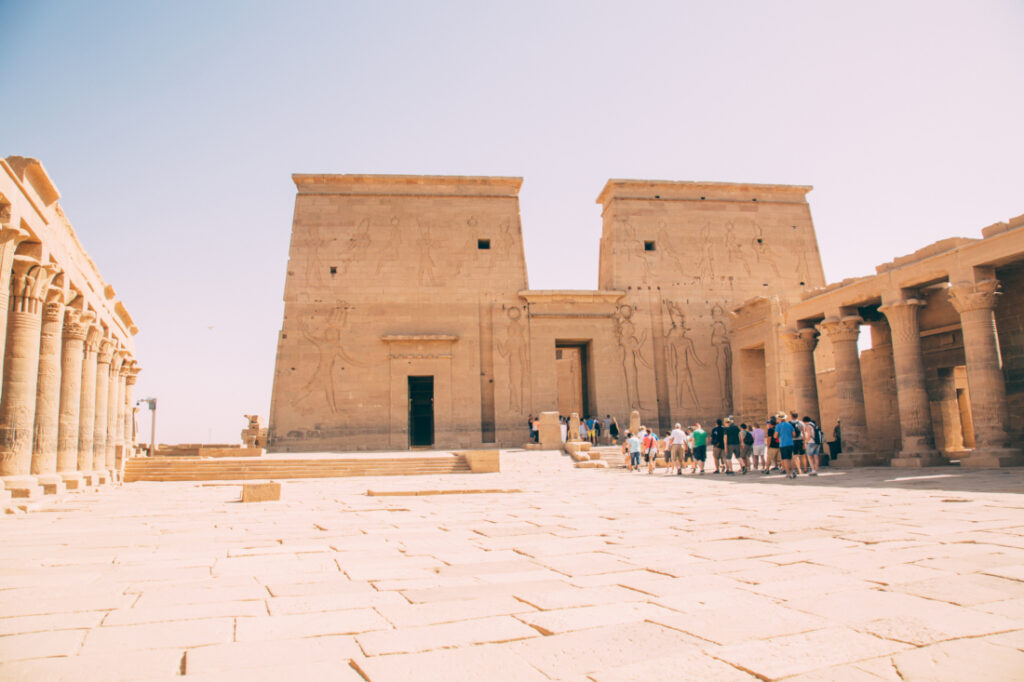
(66, 397)
(975, 301)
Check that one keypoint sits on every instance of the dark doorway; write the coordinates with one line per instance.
(421, 411)
(573, 377)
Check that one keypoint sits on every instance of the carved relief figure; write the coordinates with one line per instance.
(761, 253)
(317, 271)
(514, 349)
(469, 251)
(723, 356)
(631, 348)
(424, 244)
(330, 355)
(733, 249)
(706, 264)
(392, 248)
(681, 351)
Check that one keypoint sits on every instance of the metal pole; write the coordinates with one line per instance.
(152, 430)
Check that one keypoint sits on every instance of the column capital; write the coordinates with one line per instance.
(802, 340)
(29, 282)
(106, 351)
(902, 317)
(93, 332)
(968, 296)
(75, 327)
(133, 373)
(53, 311)
(837, 329)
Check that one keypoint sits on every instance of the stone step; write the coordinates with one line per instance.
(195, 469)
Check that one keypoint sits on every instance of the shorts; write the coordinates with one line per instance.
(676, 452)
(733, 450)
(786, 451)
(717, 451)
(798, 447)
(813, 449)
(700, 452)
(758, 450)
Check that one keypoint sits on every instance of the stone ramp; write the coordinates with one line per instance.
(228, 469)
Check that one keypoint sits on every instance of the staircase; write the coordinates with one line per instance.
(223, 469)
(609, 453)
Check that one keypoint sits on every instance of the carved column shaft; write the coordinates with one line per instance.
(21, 365)
(10, 237)
(70, 392)
(87, 408)
(99, 431)
(843, 334)
(44, 446)
(129, 413)
(976, 304)
(114, 397)
(911, 390)
(801, 344)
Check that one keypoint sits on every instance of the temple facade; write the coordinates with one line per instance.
(68, 356)
(409, 321)
(944, 376)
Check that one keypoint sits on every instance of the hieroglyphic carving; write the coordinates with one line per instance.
(681, 351)
(723, 356)
(514, 348)
(317, 272)
(470, 249)
(706, 264)
(330, 355)
(631, 348)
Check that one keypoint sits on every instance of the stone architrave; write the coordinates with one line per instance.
(918, 436)
(99, 433)
(44, 441)
(843, 334)
(74, 334)
(87, 408)
(129, 414)
(550, 435)
(114, 398)
(976, 303)
(29, 283)
(801, 344)
(10, 237)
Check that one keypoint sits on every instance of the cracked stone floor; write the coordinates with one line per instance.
(873, 574)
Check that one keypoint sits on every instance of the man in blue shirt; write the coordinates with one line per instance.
(784, 430)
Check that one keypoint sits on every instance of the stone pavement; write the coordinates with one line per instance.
(871, 574)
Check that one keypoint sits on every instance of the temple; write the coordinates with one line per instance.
(68, 356)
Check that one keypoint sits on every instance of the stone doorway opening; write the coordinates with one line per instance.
(421, 411)
(572, 359)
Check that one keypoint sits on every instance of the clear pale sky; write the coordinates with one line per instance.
(172, 128)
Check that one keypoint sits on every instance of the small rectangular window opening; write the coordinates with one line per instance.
(483, 244)
(648, 246)
(334, 270)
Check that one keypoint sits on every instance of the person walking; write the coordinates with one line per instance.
(774, 461)
(811, 444)
(760, 461)
(717, 446)
(700, 448)
(678, 446)
(785, 431)
(613, 430)
(747, 448)
(633, 445)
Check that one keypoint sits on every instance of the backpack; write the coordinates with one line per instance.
(798, 431)
(748, 438)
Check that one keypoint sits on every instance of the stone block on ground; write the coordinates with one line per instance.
(483, 461)
(261, 492)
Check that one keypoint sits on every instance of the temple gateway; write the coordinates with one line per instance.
(409, 322)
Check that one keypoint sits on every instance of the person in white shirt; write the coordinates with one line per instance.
(678, 445)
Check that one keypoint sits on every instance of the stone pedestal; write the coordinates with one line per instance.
(917, 436)
(23, 487)
(801, 344)
(574, 429)
(976, 302)
(550, 435)
(843, 333)
(634, 422)
(21, 365)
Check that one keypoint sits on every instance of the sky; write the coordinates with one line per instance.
(171, 130)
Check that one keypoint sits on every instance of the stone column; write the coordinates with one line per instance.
(917, 436)
(119, 445)
(10, 237)
(99, 431)
(843, 333)
(129, 408)
(70, 399)
(114, 397)
(29, 282)
(976, 302)
(44, 435)
(801, 344)
(87, 404)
